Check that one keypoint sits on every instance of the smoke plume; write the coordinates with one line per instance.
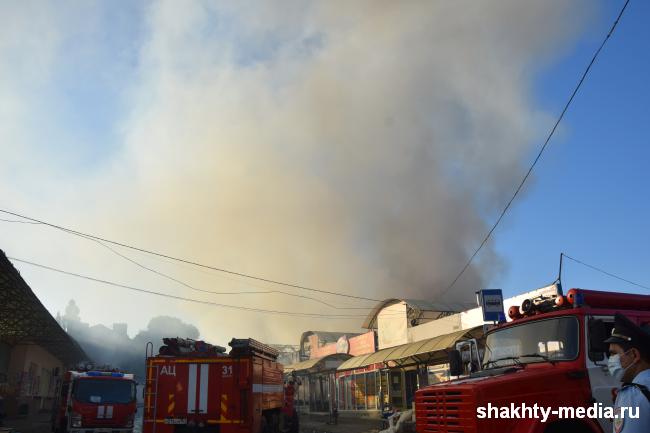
(359, 147)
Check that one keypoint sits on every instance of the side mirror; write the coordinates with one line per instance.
(597, 337)
(455, 363)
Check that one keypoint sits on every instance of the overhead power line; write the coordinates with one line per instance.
(182, 260)
(17, 221)
(191, 287)
(183, 298)
(541, 150)
(602, 271)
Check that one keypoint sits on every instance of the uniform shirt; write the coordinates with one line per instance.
(631, 396)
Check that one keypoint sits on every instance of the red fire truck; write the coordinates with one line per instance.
(94, 401)
(551, 354)
(192, 385)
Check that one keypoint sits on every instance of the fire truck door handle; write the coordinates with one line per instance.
(578, 374)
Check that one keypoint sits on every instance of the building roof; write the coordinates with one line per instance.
(420, 352)
(328, 362)
(324, 337)
(327, 336)
(24, 319)
(416, 305)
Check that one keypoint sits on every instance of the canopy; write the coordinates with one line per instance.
(420, 352)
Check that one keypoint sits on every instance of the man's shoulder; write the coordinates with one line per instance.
(643, 378)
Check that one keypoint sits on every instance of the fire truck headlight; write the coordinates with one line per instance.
(75, 420)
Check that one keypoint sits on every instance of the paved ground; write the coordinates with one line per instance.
(319, 424)
(308, 424)
(35, 424)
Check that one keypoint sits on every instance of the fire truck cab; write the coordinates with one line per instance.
(95, 401)
(198, 387)
(551, 354)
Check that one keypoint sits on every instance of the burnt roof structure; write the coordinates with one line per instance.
(418, 310)
(324, 337)
(24, 319)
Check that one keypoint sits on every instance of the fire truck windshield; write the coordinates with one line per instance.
(114, 391)
(546, 340)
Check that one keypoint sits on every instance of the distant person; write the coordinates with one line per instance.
(629, 362)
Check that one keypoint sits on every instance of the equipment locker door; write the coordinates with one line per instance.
(601, 381)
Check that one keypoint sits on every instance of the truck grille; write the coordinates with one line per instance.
(445, 411)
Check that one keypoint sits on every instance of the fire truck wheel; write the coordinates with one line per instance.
(295, 423)
(567, 426)
(284, 423)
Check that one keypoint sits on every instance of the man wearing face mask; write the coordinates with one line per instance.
(629, 362)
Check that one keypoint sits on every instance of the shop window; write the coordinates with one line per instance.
(348, 392)
(371, 391)
(396, 398)
(360, 391)
(438, 373)
(383, 391)
(411, 378)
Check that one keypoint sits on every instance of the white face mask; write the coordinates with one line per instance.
(615, 368)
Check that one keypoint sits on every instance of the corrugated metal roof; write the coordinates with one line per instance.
(24, 319)
(406, 352)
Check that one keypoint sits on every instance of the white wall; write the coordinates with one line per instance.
(392, 326)
(467, 319)
(445, 325)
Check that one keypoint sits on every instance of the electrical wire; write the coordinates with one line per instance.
(191, 287)
(541, 151)
(17, 221)
(182, 298)
(602, 271)
(190, 262)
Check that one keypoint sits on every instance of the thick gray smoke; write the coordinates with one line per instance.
(353, 146)
(113, 346)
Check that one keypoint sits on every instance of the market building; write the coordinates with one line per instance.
(407, 357)
(34, 349)
(412, 340)
(322, 354)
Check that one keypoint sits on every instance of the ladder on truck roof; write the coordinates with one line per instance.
(248, 346)
(151, 387)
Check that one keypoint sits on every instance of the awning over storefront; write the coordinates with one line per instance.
(329, 362)
(420, 352)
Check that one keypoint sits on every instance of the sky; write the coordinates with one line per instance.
(359, 148)
(589, 195)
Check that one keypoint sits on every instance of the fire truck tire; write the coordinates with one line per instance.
(295, 423)
(264, 425)
(568, 426)
(275, 424)
(284, 423)
(289, 424)
(269, 423)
